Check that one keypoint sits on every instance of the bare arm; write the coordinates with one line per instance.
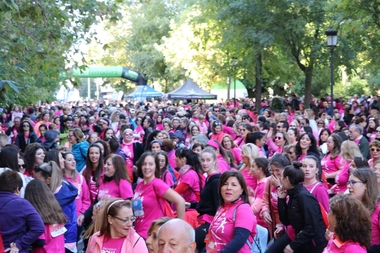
(173, 197)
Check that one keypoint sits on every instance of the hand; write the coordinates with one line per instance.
(278, 232)
(281, 193)
(274, 180)
(267, 218)
(12, 249)
(328, 234)
(80, 220)
(288, 249)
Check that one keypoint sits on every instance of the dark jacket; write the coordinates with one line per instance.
(66, 199)
(50, 140)
(209, 202)
(21, 143)
(304, 214)
(19, 222)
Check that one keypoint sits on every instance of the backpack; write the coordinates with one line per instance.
(325, 215)
(259, 242)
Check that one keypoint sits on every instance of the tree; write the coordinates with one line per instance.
(38, 41)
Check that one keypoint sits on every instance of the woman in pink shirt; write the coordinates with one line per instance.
(234, 223)
(116, 233)
(40, 196)
(362, 185)
(151, 195)
(249, 153)
(277, 142)
(115, 182)
(228, 144)
(217, 131)
(260, 170)
(349, 231)
(331, 162)
(374, 150)
(70, 174)
(222, 156)
(93, 170)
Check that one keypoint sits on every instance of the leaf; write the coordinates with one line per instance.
(11, 84)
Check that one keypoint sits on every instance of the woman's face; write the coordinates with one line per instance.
(378, 133)
(208, 162)
(376, 169)
(194, 131)
(61, 161)
(227, 143)
(162, 161)
(245, 159)
(330, 144)
(70, 163)
(292, 154)
(93, 137)
(276, 171)
(152, 240)
(197, 149)
(238, 118)
(42, 131)
(108, 134)
(305, 142)
(371, 123)
(356, 187)
(159, 137)
(217, 129)
(166, 126)
(39, 157)
(94, 154)
(109, 169)
(242, 131)
(255, 171)
(46, 117)
(332, 222)
(310, 169)
(375, 152)
(175, 123)
(72, 138)
(336, 126)
(128, 136)
(180, 161)
(231, 190)
(291, 135)
(279, 140)
(25, 126)
(122, 223)
(155, 147)
(324, 136)
(138, 121)
(101, 147)
(260, 143)
(149, 167)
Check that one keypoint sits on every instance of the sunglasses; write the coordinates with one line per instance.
(21, 166)
(278, 138)
(320, 123)
(25, 125)
(129, 134)
(375, 149)
(218, 123)
(377, 131)
(38, 169)
(293, 126)
(242, 129)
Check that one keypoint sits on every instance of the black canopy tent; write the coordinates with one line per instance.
(190, 90)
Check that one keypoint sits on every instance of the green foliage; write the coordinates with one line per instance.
(36, 38)
(277, 105)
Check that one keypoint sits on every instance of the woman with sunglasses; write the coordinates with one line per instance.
(65, 193)
(115, 230)
(132, 149)
(217, 131)
(25, 136)
(277, 142)
(362, 185)
(374, 150)
(139, 130)
(243, 129)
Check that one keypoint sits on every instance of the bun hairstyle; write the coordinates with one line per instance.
(294, 173)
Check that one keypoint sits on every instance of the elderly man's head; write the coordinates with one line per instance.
(175, 236)
(355, 131)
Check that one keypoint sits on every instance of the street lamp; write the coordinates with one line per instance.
(234, 64)
(332, 39)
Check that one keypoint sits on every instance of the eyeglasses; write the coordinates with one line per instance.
(293, 126)
(25, 125)
(242, 130)
(377, 131)
(131, 219)
(352, 182)
(278, 138)
(375, 149)
(70, 135)
(320, 123)
(128, 134)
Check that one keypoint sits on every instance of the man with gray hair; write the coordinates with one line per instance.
(176, 236)
(356, 135)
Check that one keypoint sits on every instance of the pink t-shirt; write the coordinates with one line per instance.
(82, 200)
(331, 165)
(335, 246)
(54, 239)
(190, 177)
(111, 189)
(319, 191)
(128, 151)
(237, 154)
(148, 204)
(250, 180)
(93, 188)
(222, 227)
(171, 159)
(341, 178)
(222, 164)
(257, 204)
(168, 178)
(375, 218)
(112, 245)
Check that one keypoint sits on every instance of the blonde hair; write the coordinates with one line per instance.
(251, 151)
(349, 150)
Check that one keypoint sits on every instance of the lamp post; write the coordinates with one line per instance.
(234, 64)
(332, 39)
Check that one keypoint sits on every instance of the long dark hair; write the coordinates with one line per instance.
(223, 179)
(40, 196)
(313, 145)
(120, 168)
(8, 157)
(192, 159)
(90, 171)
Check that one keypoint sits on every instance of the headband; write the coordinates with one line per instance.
(115, 202)
(212, 143)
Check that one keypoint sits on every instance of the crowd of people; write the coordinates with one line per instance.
(191, 177)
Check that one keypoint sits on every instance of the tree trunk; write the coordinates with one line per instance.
(308, 80)
(258, 90)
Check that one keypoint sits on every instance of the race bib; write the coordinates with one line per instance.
(57, 230)
(137, 207)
